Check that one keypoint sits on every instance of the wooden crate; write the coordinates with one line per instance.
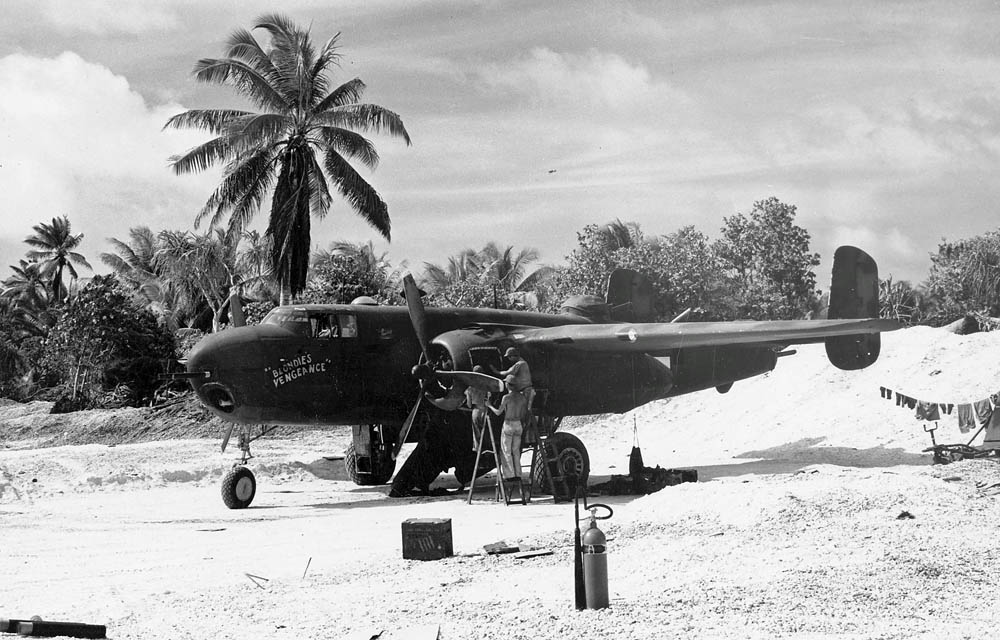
(427, 539)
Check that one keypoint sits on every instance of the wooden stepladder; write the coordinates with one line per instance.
(501, 489)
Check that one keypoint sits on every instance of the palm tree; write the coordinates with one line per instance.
(461, 267)
(28, 300)
(504, 266)
(302, 140)
(26, 285)
(619, 235)
(133, 261)
(201, 268)
(362, 252)
(137, 263)
(54, 251)
(485, 277)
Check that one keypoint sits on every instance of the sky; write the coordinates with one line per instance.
(879, 121)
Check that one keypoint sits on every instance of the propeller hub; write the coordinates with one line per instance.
(422, 371)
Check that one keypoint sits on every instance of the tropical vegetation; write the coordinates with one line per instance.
(301, 141)
(103, 341)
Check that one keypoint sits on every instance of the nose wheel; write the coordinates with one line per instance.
(239, 487)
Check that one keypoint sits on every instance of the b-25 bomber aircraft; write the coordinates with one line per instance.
(372, 367)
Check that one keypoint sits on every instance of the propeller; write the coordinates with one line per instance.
(473, 379)
(405, 431)
(236, 316)
(418, 316)
(229, 434)
(425, 370)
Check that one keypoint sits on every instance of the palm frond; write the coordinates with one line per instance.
(242, 187)
(115, 262)
(78, 258)
(291, 55)
(364, 117)
(351, 145)
(533, 279)
(348, 93)
(319, 192)
(202, 157)
(244, 78)
(258, 176)
(243, 46)
(257, 129)
(213, 120)
(365, 201)
(328, 55)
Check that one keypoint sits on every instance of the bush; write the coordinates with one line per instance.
(103, 340)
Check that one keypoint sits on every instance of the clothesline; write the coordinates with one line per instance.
(969, 413)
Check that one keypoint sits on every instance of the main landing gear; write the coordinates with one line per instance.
(368, 459)
(239, 485)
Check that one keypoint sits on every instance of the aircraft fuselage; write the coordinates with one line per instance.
(351, 364)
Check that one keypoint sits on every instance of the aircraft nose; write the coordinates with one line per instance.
(223, 359)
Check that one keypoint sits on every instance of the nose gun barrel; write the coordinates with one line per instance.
(185, 375)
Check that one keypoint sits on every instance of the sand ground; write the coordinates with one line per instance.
(794, 529)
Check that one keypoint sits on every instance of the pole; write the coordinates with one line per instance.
(580, 593)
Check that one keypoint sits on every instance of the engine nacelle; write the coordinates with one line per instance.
(452, 351)
(704, 368)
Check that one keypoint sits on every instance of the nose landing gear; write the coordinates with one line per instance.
(239, 486)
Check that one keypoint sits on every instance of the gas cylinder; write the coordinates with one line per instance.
(595, 564)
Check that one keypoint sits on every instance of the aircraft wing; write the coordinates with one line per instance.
(656, 337)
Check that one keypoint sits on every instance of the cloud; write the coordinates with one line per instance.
(584, 80)
(102, 16)
(889, 241)
(76, 140)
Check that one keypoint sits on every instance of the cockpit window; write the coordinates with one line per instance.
(296, 320)
(315, 324)
(348, 325)
(324, 326)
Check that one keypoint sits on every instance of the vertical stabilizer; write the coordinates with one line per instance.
(630, 296)
(853, 295)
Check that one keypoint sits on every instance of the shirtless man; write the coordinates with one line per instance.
(514, 407)
(476, 400)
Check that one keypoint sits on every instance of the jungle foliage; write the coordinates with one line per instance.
(104, 349)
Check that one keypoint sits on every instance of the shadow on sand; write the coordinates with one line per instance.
(786, 458)
(795, 456)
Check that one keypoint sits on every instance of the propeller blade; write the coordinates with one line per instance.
(418, 316)
(405, 431)
(225, 438)
(472, 379)
(236, 316)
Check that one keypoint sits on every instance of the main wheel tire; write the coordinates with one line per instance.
(238, 488)
(384, 465)
(572, 458)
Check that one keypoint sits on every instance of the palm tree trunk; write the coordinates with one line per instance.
(286, 289)
(57, 284)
